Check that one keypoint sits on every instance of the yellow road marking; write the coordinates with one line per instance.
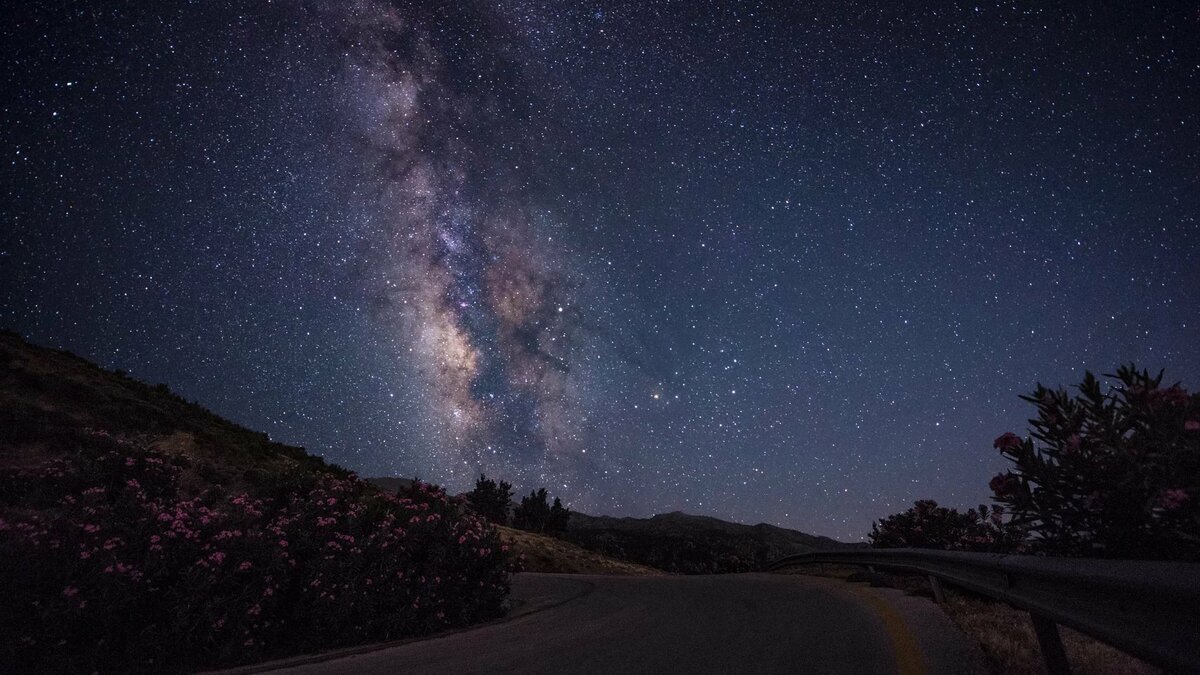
(909, 659)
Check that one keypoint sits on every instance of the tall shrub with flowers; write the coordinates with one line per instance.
(1109, 472)
(115, 557)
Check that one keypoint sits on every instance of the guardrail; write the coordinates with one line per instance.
(1148, 609)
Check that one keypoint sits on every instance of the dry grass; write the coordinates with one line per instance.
(547, 554)
(1003, 633)
(1007, 638)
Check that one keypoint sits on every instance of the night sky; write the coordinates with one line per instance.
(781, 262)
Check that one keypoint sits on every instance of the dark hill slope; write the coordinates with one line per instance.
(49, 398)
(687, 544)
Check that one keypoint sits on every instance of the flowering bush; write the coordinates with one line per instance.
(117, 557)
(927, 525)
(1108, 473)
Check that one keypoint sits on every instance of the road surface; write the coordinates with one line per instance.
(759, 623)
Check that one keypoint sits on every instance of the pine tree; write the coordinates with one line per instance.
(558, 518)
(533, 512)
(490, 499)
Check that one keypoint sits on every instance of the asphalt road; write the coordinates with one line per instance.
(744, 623)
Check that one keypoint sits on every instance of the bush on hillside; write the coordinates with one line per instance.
(116, 557)
(927, 525)
(1109, 472)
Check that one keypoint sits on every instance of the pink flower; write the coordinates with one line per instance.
(1007, 441)
(1192, 425)
(1004, 485)
(154, 539)
(217, 557)
(70, 592)
(1073, 443)
(245, 566)
(1171, 499)
(1175, 396)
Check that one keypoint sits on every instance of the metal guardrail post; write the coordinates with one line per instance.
(939, 595)
(1051, 643)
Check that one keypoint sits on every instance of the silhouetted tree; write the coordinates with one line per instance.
(533, 512)
(927, 525)
(558, 518)
(490, 499)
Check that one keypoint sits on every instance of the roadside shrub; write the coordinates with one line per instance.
(117, 558)
(927, 525)
(1110, 472)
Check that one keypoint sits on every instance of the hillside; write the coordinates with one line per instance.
(687, 544)
(543, 553)
(49, 399)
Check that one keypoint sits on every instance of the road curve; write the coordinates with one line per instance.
(738, 623)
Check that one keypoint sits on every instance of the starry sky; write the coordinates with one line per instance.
(770, 261)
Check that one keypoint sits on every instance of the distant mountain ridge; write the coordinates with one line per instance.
(687, 544)
(685, 520)
(680, 542)
(391, 484)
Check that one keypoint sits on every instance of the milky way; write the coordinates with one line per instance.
(481, 295)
